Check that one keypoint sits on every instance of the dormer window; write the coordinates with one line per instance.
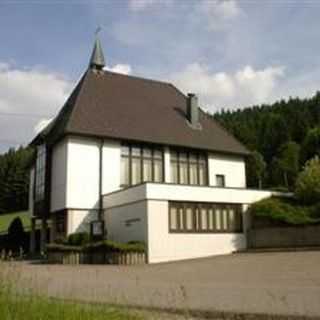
(40, 173)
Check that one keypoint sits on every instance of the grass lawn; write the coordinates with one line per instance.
(6, 219)
(17, 307)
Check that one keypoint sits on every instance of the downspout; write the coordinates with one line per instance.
(100, 214)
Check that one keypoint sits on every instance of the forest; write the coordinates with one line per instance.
(281, 136)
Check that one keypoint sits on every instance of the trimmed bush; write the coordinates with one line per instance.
(101, 246)
(78, 239)
(283, 210)
(111, 246)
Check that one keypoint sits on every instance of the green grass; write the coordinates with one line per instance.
(17, 307)
(6, 219)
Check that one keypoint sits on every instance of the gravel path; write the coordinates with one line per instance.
(266, 283)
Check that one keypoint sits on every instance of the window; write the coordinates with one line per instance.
(140, 164)
(188, 168)
(220, 180)
(196, 217)
(40, 173)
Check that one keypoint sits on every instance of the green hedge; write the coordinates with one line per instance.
(286, 210)
(100, 246)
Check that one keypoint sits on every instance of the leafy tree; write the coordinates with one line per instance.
(311, 144)
(308, 182)
(256, 167)
(288, 162)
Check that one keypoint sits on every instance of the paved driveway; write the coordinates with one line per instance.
(272, 283)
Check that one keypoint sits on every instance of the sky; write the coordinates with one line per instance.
(233, 54)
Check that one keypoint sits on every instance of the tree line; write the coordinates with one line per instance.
(281, 136)
(14, 179)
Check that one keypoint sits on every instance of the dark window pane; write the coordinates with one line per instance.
(136, 171)
(183, 173)
(157, 154)
(124, 171)
(174, 172)
(147, 153)
(147, 170)
(136, 151)
(193, 171)
(182, 156)
(157, 170)
(124, 150)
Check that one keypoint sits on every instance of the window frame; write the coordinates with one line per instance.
(190, 153)
(40, 173)
(211, 208)
(223, 176)
(153, 157)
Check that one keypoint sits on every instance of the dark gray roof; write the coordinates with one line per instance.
(107, 104)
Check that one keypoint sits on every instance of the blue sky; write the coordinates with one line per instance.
(232, 53)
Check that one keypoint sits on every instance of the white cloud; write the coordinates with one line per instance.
(140, 5)
(242, 88)
(120, 68)
(219, 13)
(32, 96)
(30, 93)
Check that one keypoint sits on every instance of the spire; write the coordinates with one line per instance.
(97, 57)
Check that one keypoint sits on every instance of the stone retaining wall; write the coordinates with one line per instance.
(284, 237)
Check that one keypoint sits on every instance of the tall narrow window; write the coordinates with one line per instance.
(125, 166)
(147, 164)
(188, 167)
(140, 164)
(157, 165)
(183, 168)
(40, 173)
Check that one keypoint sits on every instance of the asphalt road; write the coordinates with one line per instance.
(260, 283)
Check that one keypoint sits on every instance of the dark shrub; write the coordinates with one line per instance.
(308, 182)
(16, 236)
(283, 210)
(111, 246)
(78, 239)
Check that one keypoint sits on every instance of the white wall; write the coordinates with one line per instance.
(185, 193)
(82, 173)
(233, 168)
(79, 220)
(128, 222)
(111, 166)
(150, 202)
(59, 176)
(165, 246)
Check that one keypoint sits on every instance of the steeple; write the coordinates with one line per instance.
(97, 57)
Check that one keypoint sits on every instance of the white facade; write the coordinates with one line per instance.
(231, 167)
(147, 206)
(141, 213)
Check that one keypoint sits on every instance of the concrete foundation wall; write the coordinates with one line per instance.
(284, 237)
